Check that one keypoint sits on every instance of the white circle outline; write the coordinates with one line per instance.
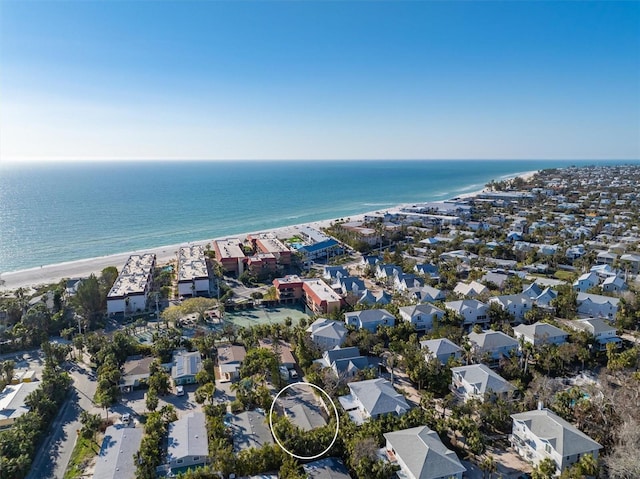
(335, 410)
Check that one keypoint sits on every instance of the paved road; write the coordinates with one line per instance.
(54, 454)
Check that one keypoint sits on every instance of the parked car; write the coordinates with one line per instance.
(180, 391)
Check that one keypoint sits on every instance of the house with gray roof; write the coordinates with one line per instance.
(188, 443)
(334, 273)
(185, 367)
(427, 294)
(326, 468)
(614, 284)
(371, 399)
(405, 282)
(345, 362)
(496, 344)
(443, 349)
(540, 333)
(369, 319)
(136, 370)
(350, 285)
(541, 434)
(382, 297)
(249, 429)
(421, 455)
(586, 281)
(327, 334)
(421, 316)
(230, 358)
(428, 269)
(476, 380)
(116, 459)
(603, 331)
(597, 305)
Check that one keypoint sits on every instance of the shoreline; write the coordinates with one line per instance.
(53, 273)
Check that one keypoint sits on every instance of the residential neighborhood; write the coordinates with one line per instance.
(491, 335)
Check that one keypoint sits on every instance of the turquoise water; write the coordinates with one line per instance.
(50, 213)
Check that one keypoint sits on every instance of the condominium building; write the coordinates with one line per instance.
(193, 274)
(130, 292)
(230, 255)
(319, 297)
(268, 243)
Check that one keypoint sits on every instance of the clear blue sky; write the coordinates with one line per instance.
(361, 79)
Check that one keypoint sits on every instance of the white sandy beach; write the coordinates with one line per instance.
(53, 273)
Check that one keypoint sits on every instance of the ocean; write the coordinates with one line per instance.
(50, 213)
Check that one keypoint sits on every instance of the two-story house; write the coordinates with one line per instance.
(421, 316)
(541, 434)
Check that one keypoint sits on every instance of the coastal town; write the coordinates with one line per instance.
(492, 335)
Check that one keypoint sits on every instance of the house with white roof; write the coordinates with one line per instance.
(540, 333)
(327, 334)
(603, 331)
(443, 349)
(188, 443)
(421, 316)
(494, 343)
(185, 367)
(421, 455)
(515, 304)
(471, 310)
(470, 290)
(116, 459)
(371, 399)
(597, 305)
(541, 434)
(12, 402)
(586, 282)
(369, 319)
(476, 380)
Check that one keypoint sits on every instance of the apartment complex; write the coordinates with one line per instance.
(230, 255)
(130, 292)
(193, 274)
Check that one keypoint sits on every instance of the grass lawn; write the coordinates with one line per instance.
(565, 275)
(84, 451)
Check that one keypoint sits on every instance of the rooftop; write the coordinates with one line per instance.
(192, 263)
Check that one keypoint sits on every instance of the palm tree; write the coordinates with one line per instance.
(488, 465)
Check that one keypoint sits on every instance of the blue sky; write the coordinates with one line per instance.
(323, 80)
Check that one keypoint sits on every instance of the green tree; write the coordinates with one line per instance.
(545, 469)
(90, 425)
(90, 300)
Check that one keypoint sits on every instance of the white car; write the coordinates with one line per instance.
(180, 391)
(126, 418)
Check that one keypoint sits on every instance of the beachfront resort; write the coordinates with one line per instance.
(490, 335)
